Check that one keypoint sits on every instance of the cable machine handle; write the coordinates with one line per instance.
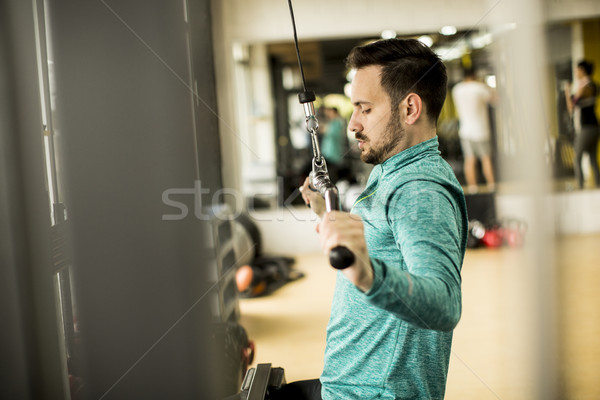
(340, 257)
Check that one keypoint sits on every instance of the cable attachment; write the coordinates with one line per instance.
(339, 257)
(312, 124)
(319, 176)
(319, 179)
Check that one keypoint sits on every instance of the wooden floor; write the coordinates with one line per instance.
(498, 345)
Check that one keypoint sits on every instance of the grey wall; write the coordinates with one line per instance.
(127, 112)
(29, 340)
(130, 123)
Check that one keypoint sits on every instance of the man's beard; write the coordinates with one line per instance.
(393, 133)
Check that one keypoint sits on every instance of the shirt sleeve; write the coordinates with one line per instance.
(426, 223)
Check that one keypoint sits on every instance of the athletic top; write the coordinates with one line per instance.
(471, 100)
(393, 342)
(587, 105)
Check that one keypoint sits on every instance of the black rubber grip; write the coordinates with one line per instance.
(340, 257)
(306, 97)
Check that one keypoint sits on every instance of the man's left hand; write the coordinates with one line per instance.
(344, 229)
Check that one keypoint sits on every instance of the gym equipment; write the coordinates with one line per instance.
(339, 257)
(507, 231)
(258, 274)
(265, 275)
(231, 343)
(514, 232)
(476, 233)
(259, 380)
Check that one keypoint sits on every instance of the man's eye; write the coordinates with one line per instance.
(366, 111)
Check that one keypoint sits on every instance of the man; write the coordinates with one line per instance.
(471, 99)
(394, 309)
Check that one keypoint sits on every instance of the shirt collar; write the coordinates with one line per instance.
(411, 154)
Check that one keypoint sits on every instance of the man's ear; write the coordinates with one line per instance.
(413, 107)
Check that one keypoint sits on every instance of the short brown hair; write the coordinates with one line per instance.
(407, 66)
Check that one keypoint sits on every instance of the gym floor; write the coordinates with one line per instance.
(494, 353)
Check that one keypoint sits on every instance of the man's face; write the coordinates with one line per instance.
(377, 129)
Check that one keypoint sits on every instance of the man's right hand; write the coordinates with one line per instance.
(313, 198)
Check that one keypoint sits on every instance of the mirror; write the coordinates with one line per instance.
(272, 119)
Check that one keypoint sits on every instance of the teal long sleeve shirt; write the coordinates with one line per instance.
(393, 342)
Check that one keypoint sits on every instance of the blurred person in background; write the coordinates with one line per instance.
(334, 143)
(471, 99)
(582, 107)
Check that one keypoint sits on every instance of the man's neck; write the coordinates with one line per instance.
(419, 134)
(412, 138)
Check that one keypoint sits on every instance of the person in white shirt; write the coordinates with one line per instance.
(471, 99)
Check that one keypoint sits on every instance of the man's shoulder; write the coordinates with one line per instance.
(431, 172)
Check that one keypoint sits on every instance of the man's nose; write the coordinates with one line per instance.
(354, 125)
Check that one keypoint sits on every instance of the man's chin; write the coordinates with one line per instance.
(367, 157)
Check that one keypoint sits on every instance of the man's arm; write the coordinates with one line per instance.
(427, 227)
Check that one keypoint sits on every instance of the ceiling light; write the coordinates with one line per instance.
(348, 90)
(480, 41)
(388, 34)
(448, 30)
(449, 53)
(350, 75)
(426, 40)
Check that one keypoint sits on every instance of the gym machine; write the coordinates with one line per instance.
(258, 381)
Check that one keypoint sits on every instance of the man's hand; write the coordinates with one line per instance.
(313, 198)
(344, 229)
